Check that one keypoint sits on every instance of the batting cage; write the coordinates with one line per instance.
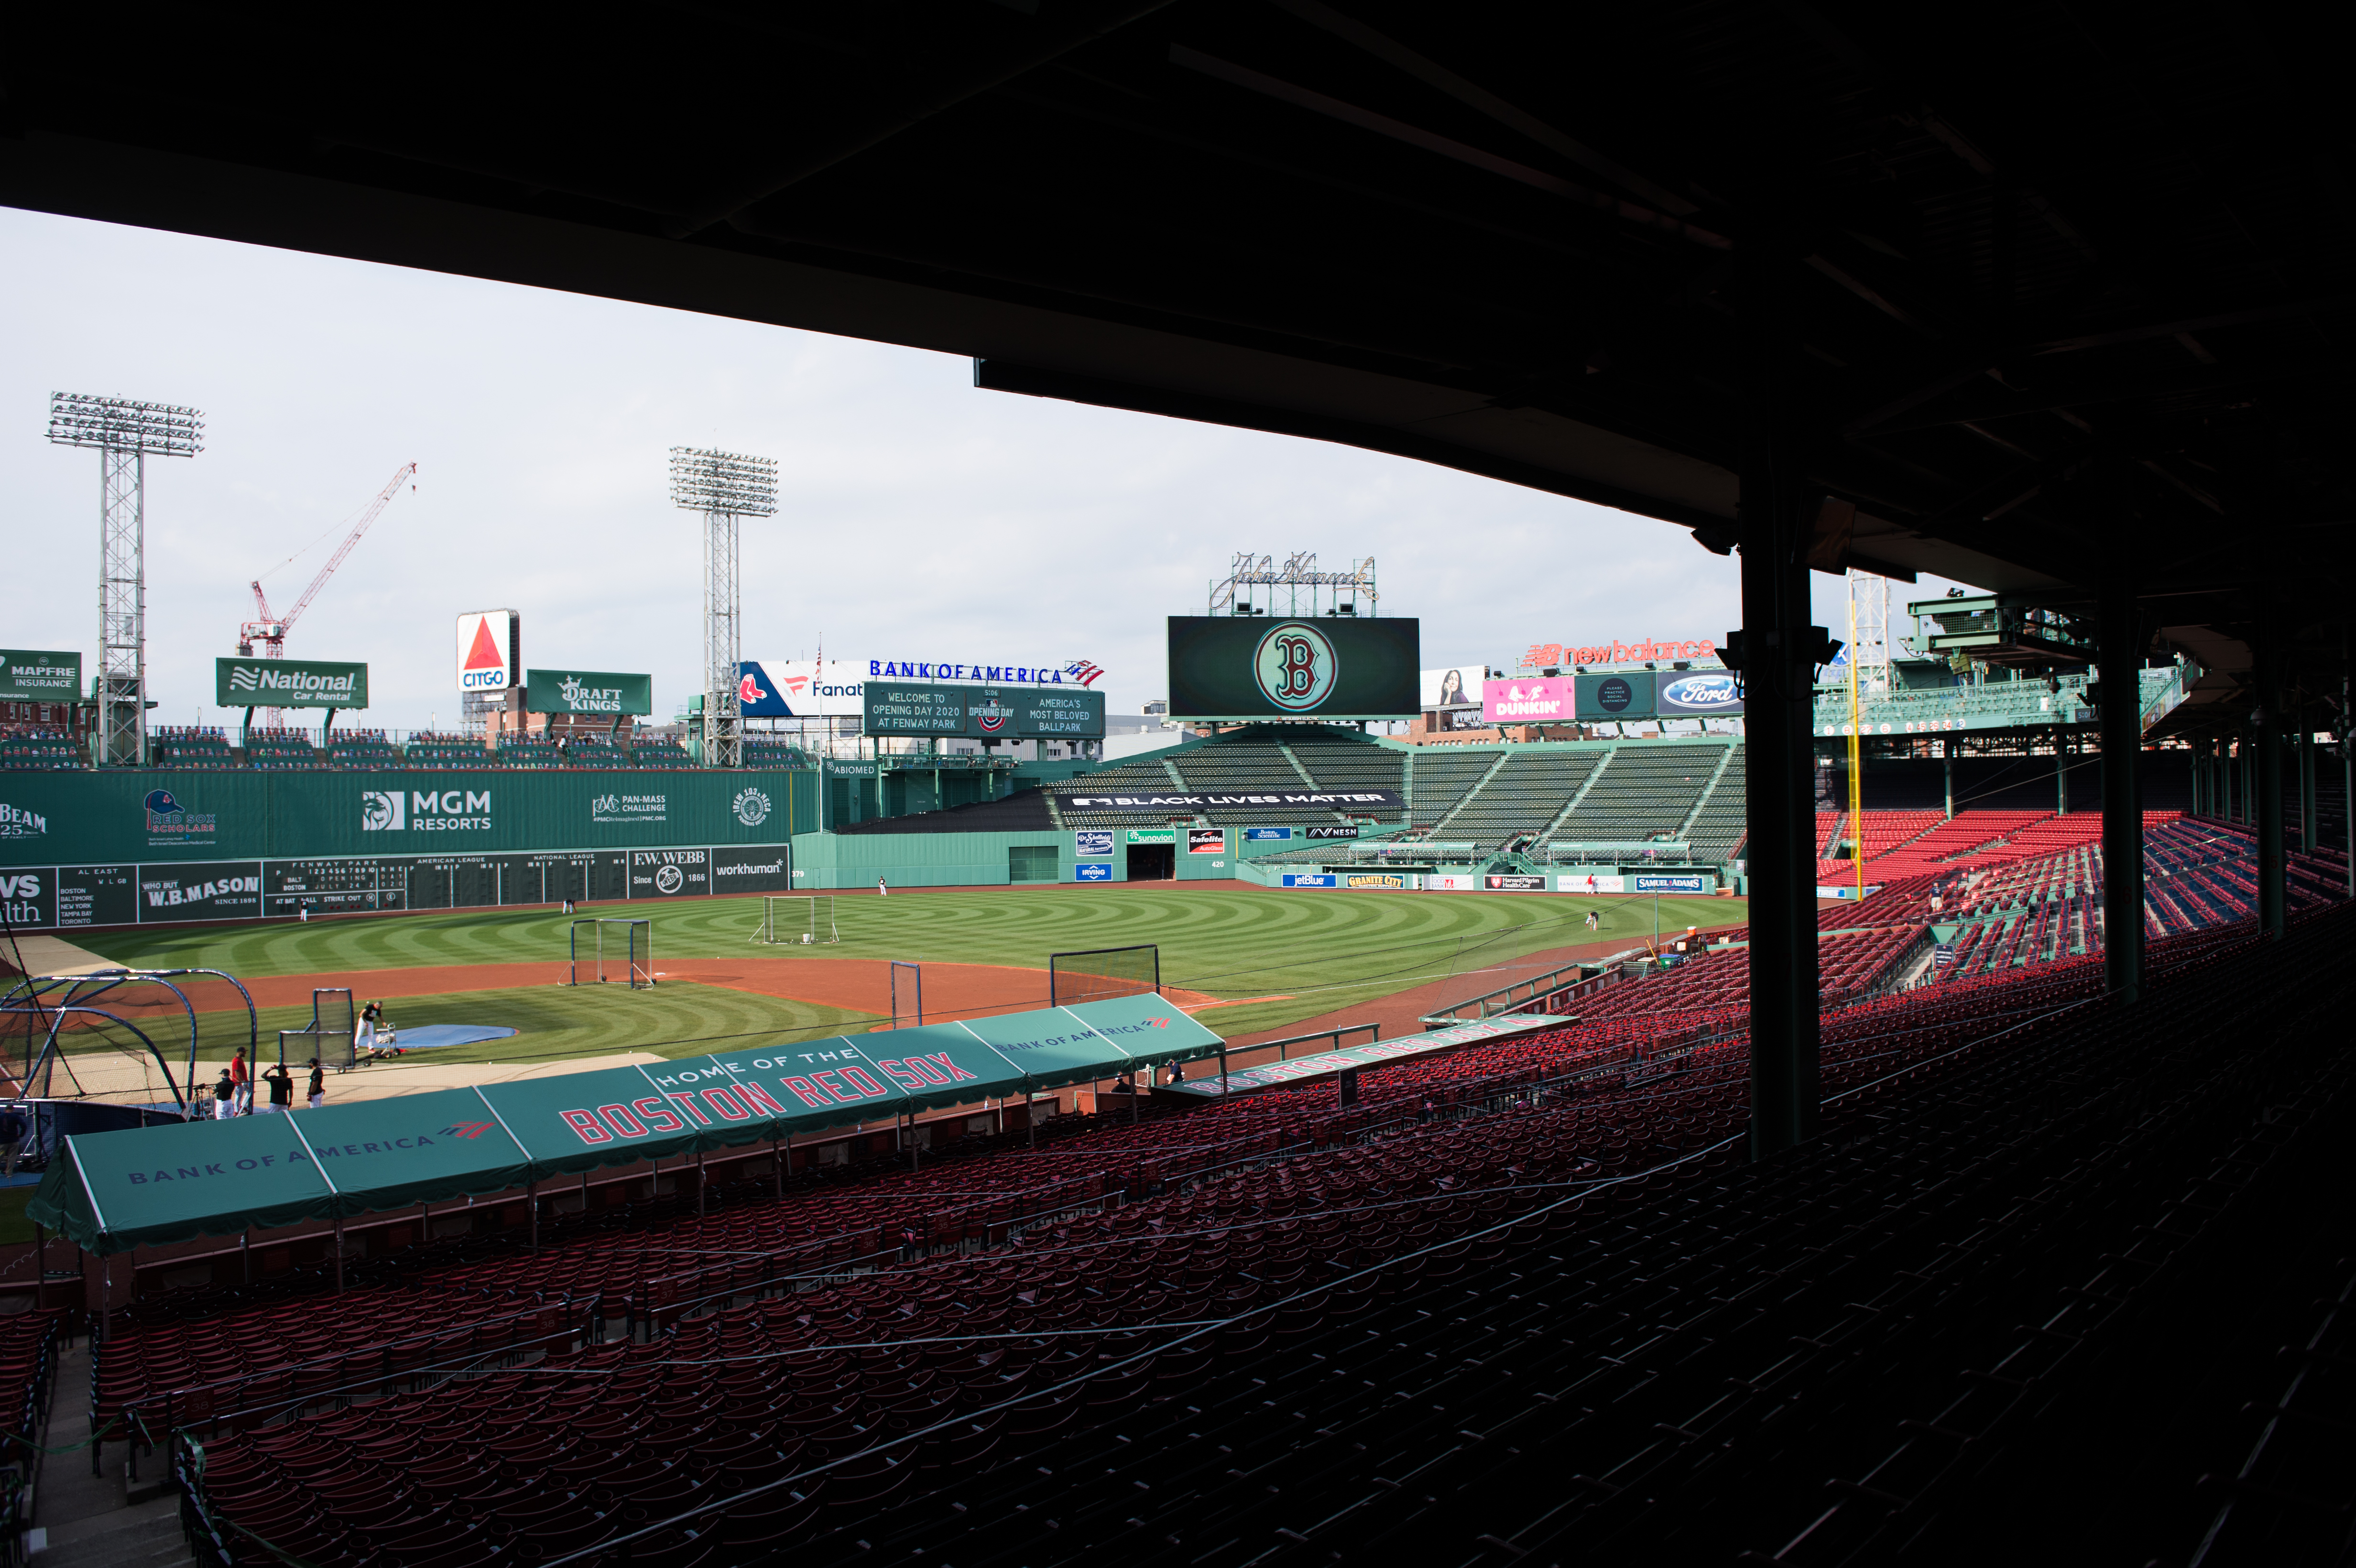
(795, 920)
(1101, 971)
(907, 992)
(331, 1035)
(634, 950)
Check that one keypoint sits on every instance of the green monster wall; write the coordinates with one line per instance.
(110, 848)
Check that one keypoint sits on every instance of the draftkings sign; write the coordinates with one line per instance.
(587, 692)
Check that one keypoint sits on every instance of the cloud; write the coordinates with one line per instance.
(919, 517)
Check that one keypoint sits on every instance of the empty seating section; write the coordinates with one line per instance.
(1258, 1234)
(201, 747)
(1353, 765)
(279, 751)
(28, 1359)
(1528, 792)
(1139, 775)
(661, 751)
(1647, 790)
(1718, 828)
(1439, 780)
(1236, 767)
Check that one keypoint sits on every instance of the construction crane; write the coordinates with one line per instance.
(270, 630)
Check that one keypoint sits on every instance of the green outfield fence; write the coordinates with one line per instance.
(141, 847)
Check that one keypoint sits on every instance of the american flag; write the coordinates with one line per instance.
(1083, 671)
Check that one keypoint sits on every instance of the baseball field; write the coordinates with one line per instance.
(1245, 960)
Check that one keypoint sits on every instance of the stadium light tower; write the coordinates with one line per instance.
(125, 434)
(723, 486)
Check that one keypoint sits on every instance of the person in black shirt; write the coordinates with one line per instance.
(282, 1090)
(224, 1098)
(318, 1090)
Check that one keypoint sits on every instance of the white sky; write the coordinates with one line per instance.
(919, 518)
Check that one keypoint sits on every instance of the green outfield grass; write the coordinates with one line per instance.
(1320, 951)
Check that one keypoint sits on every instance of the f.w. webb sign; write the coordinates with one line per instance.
(289, 683)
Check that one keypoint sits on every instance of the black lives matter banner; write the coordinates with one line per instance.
(1330, 800)
(65, 897)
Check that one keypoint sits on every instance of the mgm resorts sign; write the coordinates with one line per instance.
(289, 683)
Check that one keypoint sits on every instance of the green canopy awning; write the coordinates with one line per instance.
(111, 1191)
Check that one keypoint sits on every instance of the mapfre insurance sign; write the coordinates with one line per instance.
(489, 650)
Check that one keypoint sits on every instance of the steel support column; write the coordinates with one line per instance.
(2310, 838)
(1779, 655)
(2266, 789)
(2120, 637)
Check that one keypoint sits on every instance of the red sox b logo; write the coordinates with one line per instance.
(1295, 666)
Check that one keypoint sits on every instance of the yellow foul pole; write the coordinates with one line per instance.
(1856, 753)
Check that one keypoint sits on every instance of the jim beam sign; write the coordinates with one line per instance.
(289, 683)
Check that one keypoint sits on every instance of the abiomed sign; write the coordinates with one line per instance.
(289, 683)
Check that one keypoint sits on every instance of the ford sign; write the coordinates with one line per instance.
(1702, 694)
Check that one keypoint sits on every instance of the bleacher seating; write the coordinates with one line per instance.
(203, 748)
(41, 751)
(1438, 779)
(280, 751)
(432, 751)
(1648, 788)
(1528, 792)
(362, 751)
(662, 753)
(530, 753)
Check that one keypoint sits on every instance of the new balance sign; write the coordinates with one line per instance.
(289, 683)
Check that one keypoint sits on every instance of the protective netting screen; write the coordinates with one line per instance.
(1101, 971)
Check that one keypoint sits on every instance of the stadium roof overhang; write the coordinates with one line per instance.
(2070, 289)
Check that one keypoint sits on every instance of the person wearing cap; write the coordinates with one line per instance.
(364, 1034)
(224, 1098)
(319, 1084)
(241, 1078)
(282, 1091)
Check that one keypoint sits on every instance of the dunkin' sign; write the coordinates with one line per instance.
(1555, 655)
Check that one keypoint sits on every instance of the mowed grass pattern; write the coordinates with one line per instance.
(676, 1018)
(1319, 952)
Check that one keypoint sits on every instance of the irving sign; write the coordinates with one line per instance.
(289, 683)
(587, 692)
